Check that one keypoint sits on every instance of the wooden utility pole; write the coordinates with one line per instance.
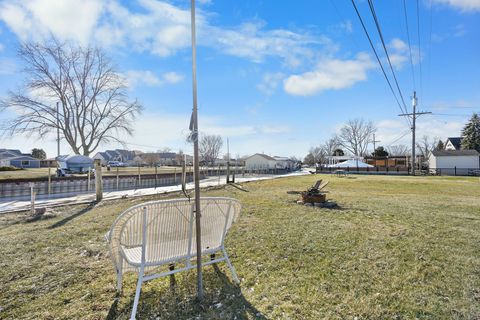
(414, 115)
(374, 143)
(98, 180)
(194, 128)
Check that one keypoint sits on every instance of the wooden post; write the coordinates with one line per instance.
(175, 176)
(32, 198)
(156, 172)
(49, 180)
(117, 178)
(98, 180)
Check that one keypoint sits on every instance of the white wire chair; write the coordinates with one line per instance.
(162, 233)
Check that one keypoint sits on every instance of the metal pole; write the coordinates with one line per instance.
(414, 103)
(32, 198)
(195, 159)
(58, 130)
(98, 180)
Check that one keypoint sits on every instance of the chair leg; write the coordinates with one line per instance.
(137, 294)
(232, 270)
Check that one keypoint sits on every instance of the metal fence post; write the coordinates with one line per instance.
(455, 170)
(98, 180)
(32, 198)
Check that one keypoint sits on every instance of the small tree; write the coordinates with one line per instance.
(471, 134)
(440, 145)
(39, 153)
(380, 152)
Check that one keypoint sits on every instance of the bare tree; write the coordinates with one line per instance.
(92, 96)
(426, 145)
(398, 150)
(355, 136)
(209, 148)
(330, 145)
(151, 159)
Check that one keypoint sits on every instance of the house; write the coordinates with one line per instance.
(453, 143)
(15, 158)
(260, 161)
(454, 162)
(120, 155)
(284, 163)
(75, 163)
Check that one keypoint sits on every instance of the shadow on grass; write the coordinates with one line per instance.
(73, 216)
(223, 300)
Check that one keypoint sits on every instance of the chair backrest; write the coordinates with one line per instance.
(170, 227)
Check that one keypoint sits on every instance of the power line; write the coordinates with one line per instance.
(372, 10)
(399, 138)
(409, 43)
(376, 54)
(419, 46)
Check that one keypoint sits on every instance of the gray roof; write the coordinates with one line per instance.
(261, 155)
(455, 153)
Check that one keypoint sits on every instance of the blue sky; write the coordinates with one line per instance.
(274, 76)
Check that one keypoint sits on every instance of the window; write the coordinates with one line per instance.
(25, 163)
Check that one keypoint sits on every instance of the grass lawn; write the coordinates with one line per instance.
(397, 248)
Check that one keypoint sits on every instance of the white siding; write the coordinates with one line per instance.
(258, 162)
(470, 162)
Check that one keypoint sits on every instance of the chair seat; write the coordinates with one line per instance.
(161, 253)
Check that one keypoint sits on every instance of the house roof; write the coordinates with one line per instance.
(456, 142)
(261, 155)
(23, 157)
(455, 153)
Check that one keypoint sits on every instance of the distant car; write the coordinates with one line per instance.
(116, 164)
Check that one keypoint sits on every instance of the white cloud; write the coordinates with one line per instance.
(36, 19)
(157, 27)
(463, 5)
(270, 83)
(2, 47)
(330, 74)
(400, 53)
(172, 77)
(150, 79)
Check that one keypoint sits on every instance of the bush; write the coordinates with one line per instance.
(10, 168)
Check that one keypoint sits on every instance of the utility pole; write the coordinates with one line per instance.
(58, 131)
(194, 128)
(414, 115)
(374, 142)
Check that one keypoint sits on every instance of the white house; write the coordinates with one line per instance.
(260, 161)
(451, 162)
(284, 163)
(453, 143)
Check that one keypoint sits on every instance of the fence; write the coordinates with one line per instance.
(405, 171)
(20, 189)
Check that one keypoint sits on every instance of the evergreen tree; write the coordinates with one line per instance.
(471, 134)
(380, 152)
(440, 145)
(39, 153)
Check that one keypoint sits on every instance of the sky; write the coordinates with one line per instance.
(276, 77)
